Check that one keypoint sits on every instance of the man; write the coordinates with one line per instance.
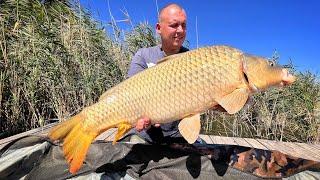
(171, 27)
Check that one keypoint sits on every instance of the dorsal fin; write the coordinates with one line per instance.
(168, 58)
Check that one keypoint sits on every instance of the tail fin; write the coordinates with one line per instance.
(61, 131)
(76, 140)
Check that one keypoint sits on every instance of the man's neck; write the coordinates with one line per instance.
(169, 52)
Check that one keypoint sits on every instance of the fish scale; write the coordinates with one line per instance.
(172, 88)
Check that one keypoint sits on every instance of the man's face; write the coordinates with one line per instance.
(172, 28)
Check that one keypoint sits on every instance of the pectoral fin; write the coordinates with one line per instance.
(233, 102)
(122, 129)
(189, 128)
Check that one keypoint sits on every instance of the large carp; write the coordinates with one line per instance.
(180, 86)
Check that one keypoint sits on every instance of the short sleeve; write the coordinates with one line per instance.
(137, 65)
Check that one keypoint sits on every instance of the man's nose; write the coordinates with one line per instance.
(180, 28)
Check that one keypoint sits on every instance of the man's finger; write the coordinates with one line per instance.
(143, 123)
(140, 125)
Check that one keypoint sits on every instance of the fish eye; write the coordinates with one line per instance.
(272, 63)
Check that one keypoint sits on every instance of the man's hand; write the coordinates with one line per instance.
(144, 123)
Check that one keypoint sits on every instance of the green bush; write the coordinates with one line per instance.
(54, 61)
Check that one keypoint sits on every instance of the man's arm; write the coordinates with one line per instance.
(138, 64)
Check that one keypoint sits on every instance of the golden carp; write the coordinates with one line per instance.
(181, 86)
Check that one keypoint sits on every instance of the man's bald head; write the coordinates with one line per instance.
(172, 28)
(165, 11)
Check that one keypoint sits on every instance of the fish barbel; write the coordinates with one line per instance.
(180, 86)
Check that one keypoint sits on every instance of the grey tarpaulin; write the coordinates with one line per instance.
(36, 158)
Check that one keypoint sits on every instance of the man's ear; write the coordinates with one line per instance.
(158, 28)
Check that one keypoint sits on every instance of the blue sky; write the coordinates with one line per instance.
(255, 26)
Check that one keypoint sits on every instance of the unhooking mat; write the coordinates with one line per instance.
(35, 157)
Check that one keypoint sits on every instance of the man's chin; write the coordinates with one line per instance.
(177, 44)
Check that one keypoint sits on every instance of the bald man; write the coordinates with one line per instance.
(171, 27)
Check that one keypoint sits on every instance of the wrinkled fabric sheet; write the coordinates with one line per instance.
(37, 158)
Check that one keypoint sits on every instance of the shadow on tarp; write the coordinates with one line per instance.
(35, 157)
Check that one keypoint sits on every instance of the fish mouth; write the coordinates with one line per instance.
(287, 78)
